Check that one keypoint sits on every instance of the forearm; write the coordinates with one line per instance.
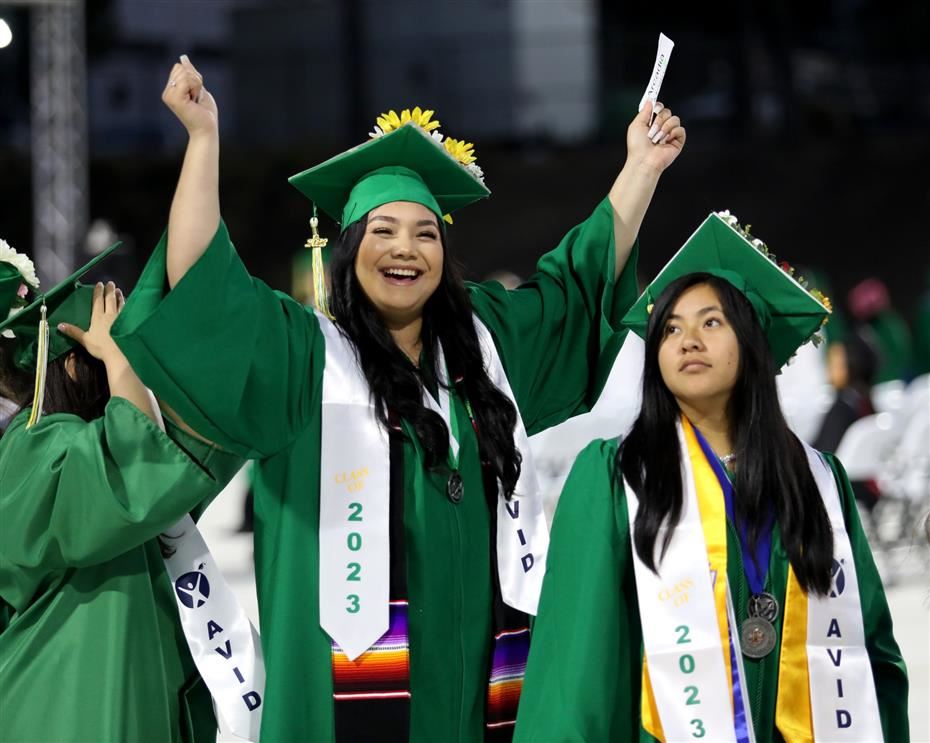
(125, 383)
(195, 210)
(630, 197)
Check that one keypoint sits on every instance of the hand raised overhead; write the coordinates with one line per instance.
(189, 100)
(656, 142)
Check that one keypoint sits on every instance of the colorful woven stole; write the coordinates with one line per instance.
(371, 695)
(510, 649)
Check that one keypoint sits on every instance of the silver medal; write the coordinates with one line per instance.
(757, 637)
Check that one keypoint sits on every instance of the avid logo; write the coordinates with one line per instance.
(837, 579)
(193, 589)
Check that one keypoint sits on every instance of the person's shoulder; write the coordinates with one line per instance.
(23, 449)
(48, 426)
(596, 468)
(601, 450)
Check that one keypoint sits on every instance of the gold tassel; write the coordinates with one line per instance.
(316, 244)
(38, 396)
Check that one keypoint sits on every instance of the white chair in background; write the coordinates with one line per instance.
(867, 444)
(917, 394)
(906, 474)
(888, 397)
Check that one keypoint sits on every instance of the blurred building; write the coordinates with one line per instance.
(136, 48)
(498, 70)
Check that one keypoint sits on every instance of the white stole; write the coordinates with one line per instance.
(681, 637)
(844, 705)
(223, 643)
(355, 509)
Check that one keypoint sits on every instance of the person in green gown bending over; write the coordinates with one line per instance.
(708, 576)
(91, 648)
(400, 540)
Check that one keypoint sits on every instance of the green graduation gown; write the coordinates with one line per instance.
(91, 648)
(244, 366)
(584, 673)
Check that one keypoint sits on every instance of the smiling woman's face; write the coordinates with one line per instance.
(699, 354)
(399, 262)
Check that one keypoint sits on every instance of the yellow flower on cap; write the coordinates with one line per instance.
(390, 121)
(461, 150)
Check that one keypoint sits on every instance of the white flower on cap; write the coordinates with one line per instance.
(21, 263)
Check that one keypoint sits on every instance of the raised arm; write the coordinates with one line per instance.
(559, 333)
(650, 150)
(195, 210)
(240, 363)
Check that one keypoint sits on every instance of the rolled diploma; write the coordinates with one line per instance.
(658, 71)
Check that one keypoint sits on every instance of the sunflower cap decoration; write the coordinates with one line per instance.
(790, 312)
(406, 158)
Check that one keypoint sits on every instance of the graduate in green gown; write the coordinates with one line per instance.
(91, 648)
(250, 369)
(703, 572)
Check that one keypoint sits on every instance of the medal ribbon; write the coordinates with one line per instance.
(756, 581)
(755, 564)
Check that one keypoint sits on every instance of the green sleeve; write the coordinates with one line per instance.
(888, 668)
(77, 493)
(582, 677)
(233, 358)
(559, 333)
(221, 466)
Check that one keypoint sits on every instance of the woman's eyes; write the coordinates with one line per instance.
(428, 234)
(710, 322)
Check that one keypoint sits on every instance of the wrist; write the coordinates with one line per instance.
(203, 137)
(115, 362)
(640, 167)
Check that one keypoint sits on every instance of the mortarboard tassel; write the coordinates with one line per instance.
(316, 244)
(38, 397)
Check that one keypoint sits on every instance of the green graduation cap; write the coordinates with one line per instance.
(789, 312)
(407, 164)
(69, 301)
(37, 343)
(10, 281)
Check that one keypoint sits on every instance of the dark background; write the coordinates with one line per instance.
(809, 120)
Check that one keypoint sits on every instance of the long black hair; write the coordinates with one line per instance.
(85, 394)
(772, 477)
(396, 385)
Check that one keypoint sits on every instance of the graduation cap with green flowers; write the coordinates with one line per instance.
(35, 345)
(791, 313)
(406, 159)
